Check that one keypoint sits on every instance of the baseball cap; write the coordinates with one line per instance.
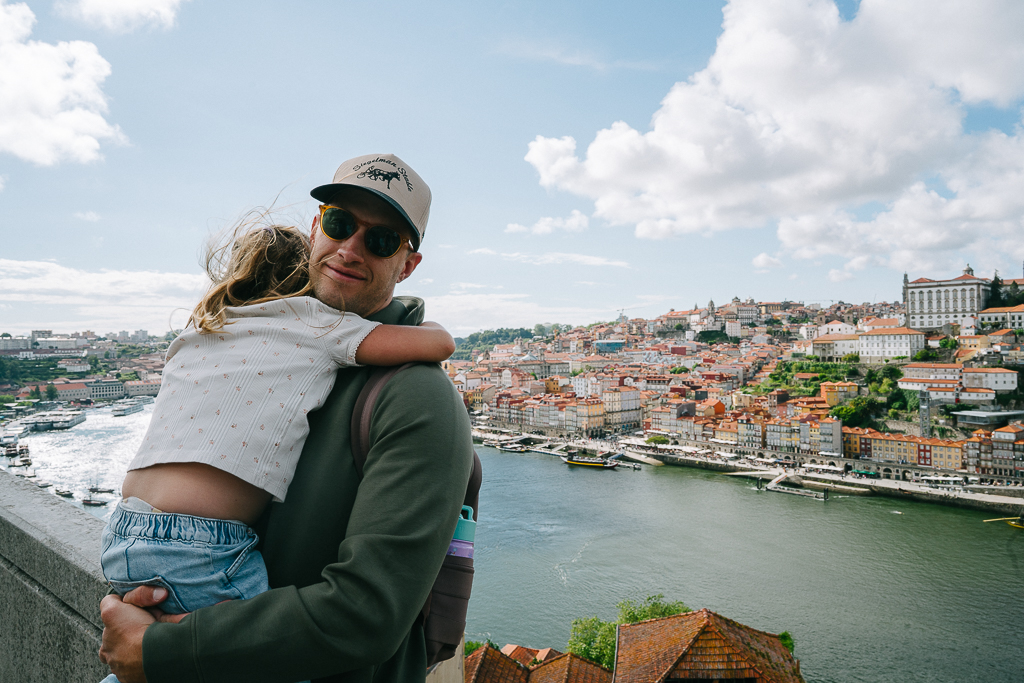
(389, 178)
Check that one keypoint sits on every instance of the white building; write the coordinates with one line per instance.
(930, 304)
(997, 379)
(887, 343)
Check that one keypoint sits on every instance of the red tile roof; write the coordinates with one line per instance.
(702, 645)
(487, 665)
(569, 668)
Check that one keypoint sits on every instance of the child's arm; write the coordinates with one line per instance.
(398, 344)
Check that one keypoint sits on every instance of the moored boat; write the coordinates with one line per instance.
(125, 407)
(574, 458)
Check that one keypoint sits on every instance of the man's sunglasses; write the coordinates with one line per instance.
(338, 224)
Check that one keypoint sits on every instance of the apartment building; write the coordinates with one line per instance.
(930, 304)
(887, 343)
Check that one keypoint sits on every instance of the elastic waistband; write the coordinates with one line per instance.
(169, 526)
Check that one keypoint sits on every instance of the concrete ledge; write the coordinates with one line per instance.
(50, 587)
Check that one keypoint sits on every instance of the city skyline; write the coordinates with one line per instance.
(583, 160)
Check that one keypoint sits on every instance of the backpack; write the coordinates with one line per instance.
(444, 612)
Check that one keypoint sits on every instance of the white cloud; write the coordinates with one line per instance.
(553, 258)
(89, 216)
(800, 119)
(463, 286)
(122, 16)
(463, 313)
(576, 222)
(763, 262)
(51, 104)
(557, 258)
(107, 299)
(559, 54)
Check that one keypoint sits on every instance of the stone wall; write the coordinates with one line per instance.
(50, 587)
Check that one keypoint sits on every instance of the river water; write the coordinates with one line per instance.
(932, 594)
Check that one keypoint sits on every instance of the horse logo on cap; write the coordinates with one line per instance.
(374, 173)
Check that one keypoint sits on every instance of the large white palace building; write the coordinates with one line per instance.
(930, 304)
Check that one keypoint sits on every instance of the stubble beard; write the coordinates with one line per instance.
(368, 298)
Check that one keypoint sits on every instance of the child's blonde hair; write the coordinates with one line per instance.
(258, 262)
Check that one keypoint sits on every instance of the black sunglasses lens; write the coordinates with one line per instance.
(338, 224)
(383, 242)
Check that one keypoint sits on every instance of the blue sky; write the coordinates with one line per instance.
(583, 158)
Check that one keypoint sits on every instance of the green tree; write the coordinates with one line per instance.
(948, 343)
(892, 372)
(679, 326)
(128, 377)
(995, 297)
(851, 358)
(857, 412)
(657, 439)
(7, 398)
(652, 607)
(6, 335)
(34, 393)
(594, 639)
(787, 641)
(51, 392)
(926, 354)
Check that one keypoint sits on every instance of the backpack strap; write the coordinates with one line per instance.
(445, 625)
(362, 413)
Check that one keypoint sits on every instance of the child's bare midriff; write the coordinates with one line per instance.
(192, 488)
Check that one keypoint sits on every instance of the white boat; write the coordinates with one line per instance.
(66, 419)
(144, 399)
(126, 407)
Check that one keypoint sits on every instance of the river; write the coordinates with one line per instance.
(931, 594)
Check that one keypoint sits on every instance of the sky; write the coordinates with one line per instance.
(584, 158)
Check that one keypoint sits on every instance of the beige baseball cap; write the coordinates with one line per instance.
(389, 178)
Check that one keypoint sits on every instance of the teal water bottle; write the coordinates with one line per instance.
(465, 531)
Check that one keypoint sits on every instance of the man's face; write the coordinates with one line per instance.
(344, 274)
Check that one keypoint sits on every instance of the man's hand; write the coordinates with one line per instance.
(125, 622)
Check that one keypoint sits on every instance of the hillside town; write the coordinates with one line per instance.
(785, 382)
(705, 377)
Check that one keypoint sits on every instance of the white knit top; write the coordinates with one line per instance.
(238, 399)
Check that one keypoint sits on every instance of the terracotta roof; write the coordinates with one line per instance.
(525, 655)
(569, 668)
(487, 665)
(891, 330)
(702, 645)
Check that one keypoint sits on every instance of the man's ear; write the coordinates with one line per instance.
(312, 232)
(411, 261)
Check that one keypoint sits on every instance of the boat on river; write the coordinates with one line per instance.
(125, 407)
(574, 458)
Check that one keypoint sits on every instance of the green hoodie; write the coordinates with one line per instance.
(351, 561)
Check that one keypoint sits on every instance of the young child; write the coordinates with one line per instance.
(230, 421)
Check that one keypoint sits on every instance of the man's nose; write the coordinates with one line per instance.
(352, 249)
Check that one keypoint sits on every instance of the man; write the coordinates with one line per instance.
(351, 561)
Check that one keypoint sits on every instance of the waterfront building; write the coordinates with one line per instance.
(1008, 451)
(930, 304)
(72, 391)
(621, 408)
(978, 452)
(105, 389)
(149, 387)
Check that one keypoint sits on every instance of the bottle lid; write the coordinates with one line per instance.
(465, 530)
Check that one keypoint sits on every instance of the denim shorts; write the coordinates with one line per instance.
(199, 561)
